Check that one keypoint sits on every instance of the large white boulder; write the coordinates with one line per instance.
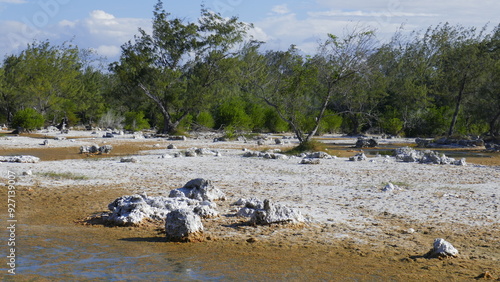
(183, 226)
(276, 213)
(199, 189)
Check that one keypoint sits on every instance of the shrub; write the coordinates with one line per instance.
(331, 123)
(135, 121)
(392, 126)
(205, 119)
(111, 120)
(28, 119)
(232, 113)
(273, 122)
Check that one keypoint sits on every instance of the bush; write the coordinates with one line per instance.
(135, 121)
(205, 119)
(273, 122)
(111, 120)
(29, 119)
(232, 113)
(330, 123)
(392, 126)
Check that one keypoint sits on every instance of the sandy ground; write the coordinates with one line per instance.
(356, 230)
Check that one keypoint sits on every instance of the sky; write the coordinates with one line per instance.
(105, 25)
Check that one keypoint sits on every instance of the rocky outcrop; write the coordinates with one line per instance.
(199, 152)
(407, 154)
(183, 226)
(196, 196)
(276, 213)
(249, 206)
(358, 157)
(366, 143)
(309, 161)
(266, 213)
(449, 142)
(177, 138)
(492, 147)
(95, 149)
(129, 160)
(133, 210)
(442, 249)
(390, 188)
(199, 189)
(19, 159)
(317, 155)
(106, 149)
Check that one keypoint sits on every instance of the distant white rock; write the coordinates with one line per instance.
(19, 159)
(129, 160)
(441, 248)
(358, 157)
(199, 189)
(390, 187)
(276, 213)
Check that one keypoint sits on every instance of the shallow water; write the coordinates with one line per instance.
(69, 258)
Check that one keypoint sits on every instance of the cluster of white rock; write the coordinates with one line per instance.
(407, 154)
(95, 149)
(266, 213)
(184, 209)
(19, 159)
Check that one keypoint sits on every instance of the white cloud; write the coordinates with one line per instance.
(280, 9)
(101, 15)
(100, 31)
(103, 32)
(15, 36)
(359, 13)
(310, 24)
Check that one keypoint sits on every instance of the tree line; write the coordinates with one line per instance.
(210, 74)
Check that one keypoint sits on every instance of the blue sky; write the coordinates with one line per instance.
(106, 24)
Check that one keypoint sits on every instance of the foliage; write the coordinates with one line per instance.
(273, 122)
(231, 113)
(331, 123)
(57, 81)
(179, 66)
(205, 119)
(28, 119)
(135, 121)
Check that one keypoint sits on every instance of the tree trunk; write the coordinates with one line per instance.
(168, 126)
(457, 106)
(493, 121)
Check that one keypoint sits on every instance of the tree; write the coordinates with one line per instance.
(460, 60)
(49, 79)
(300, 88)
(486, 104)
(178, 65)
(283, 80)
